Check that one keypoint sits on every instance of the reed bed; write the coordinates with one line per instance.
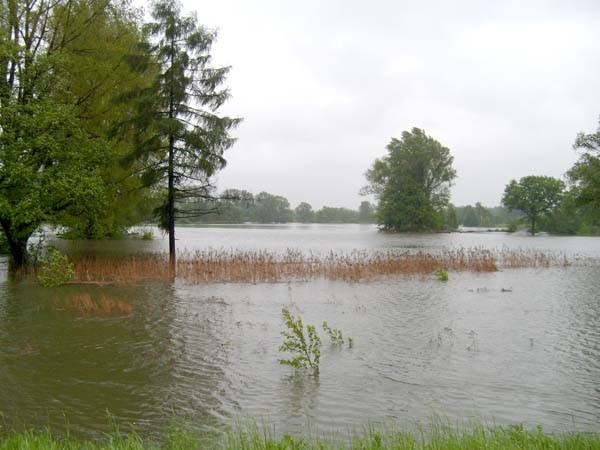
(84, 304)
(238, 266)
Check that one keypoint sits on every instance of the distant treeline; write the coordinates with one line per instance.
(235, 206)
(568, 218)
(239, 206)
(480, 216)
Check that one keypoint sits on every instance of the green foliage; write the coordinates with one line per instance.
(513, 226)
(585, 174)
(572, 217)
(99, 35)
(328, 214)
(270, 208)
(180, 137)
(61, 64)
(366, 212)
(305, 344)
(437, 436)
(4, 248)
(304, 213)
(147, 235)
(451, 219)
(412, 183)
(480, 216)
(579, 209)
(56, 269)
(334, 334)
(49, 171)
(535, 196)
(238, 206)
(441, 274)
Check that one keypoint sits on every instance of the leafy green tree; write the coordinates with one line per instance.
(183, 138)
(270, 208)
(49, 163)
(572, 217)
(98, 35)
(412, 183)
(234, 206)
(483, 215)
(328, 214)
(304, 213)
(585, 174)
(451, 218)
(479, 216)
(469, 217)
(366, 212)
(535, 196)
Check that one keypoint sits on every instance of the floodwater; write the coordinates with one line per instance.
(519, 345)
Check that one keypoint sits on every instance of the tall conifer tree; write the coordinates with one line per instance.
(182, 138)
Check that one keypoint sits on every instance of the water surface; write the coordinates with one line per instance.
(511, 346)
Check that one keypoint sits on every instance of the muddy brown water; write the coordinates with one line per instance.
(519, 345)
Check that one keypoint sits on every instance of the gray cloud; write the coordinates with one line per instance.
(323, 86)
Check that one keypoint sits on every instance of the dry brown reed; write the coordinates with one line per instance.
(83, 304)
(237, 266)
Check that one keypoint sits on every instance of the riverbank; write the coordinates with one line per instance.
(436, 437)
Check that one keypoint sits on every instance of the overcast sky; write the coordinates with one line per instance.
(323, 86)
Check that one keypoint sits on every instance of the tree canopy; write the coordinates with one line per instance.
(304, 213)
(412, 183)
(51, 160)
(535, 196)
(181, 137)
(585, 174)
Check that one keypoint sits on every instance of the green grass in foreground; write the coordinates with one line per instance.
(439, 438)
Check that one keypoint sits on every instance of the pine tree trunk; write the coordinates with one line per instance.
(171, 212)
(171, 193)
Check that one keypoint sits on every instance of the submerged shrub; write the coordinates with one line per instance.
(441, 274)
(56, 269)
(334, 334)
(147, 235)
(305, 344)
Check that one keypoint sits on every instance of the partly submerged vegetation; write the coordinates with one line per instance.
(305, 346)
(437, 437)
(55, 270)
(254, 266)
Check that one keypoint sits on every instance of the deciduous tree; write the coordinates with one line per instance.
(585, 174)
(49, 164)
(412, 183)
(535, 196)
(366, 212)
(304, 213)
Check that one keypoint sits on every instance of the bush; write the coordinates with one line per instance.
(441, 274)
(334, 334)
(147, 235)
(513, 226)
(306, 345)
(56, 269)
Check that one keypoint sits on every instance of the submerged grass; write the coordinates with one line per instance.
(237, 266)
(437, 437)
(85, 304)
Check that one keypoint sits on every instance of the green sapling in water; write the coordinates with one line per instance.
(441, 274)
(56, 269)
(304, 344)
(334, 334)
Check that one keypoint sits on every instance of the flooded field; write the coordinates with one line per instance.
(514, 345)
